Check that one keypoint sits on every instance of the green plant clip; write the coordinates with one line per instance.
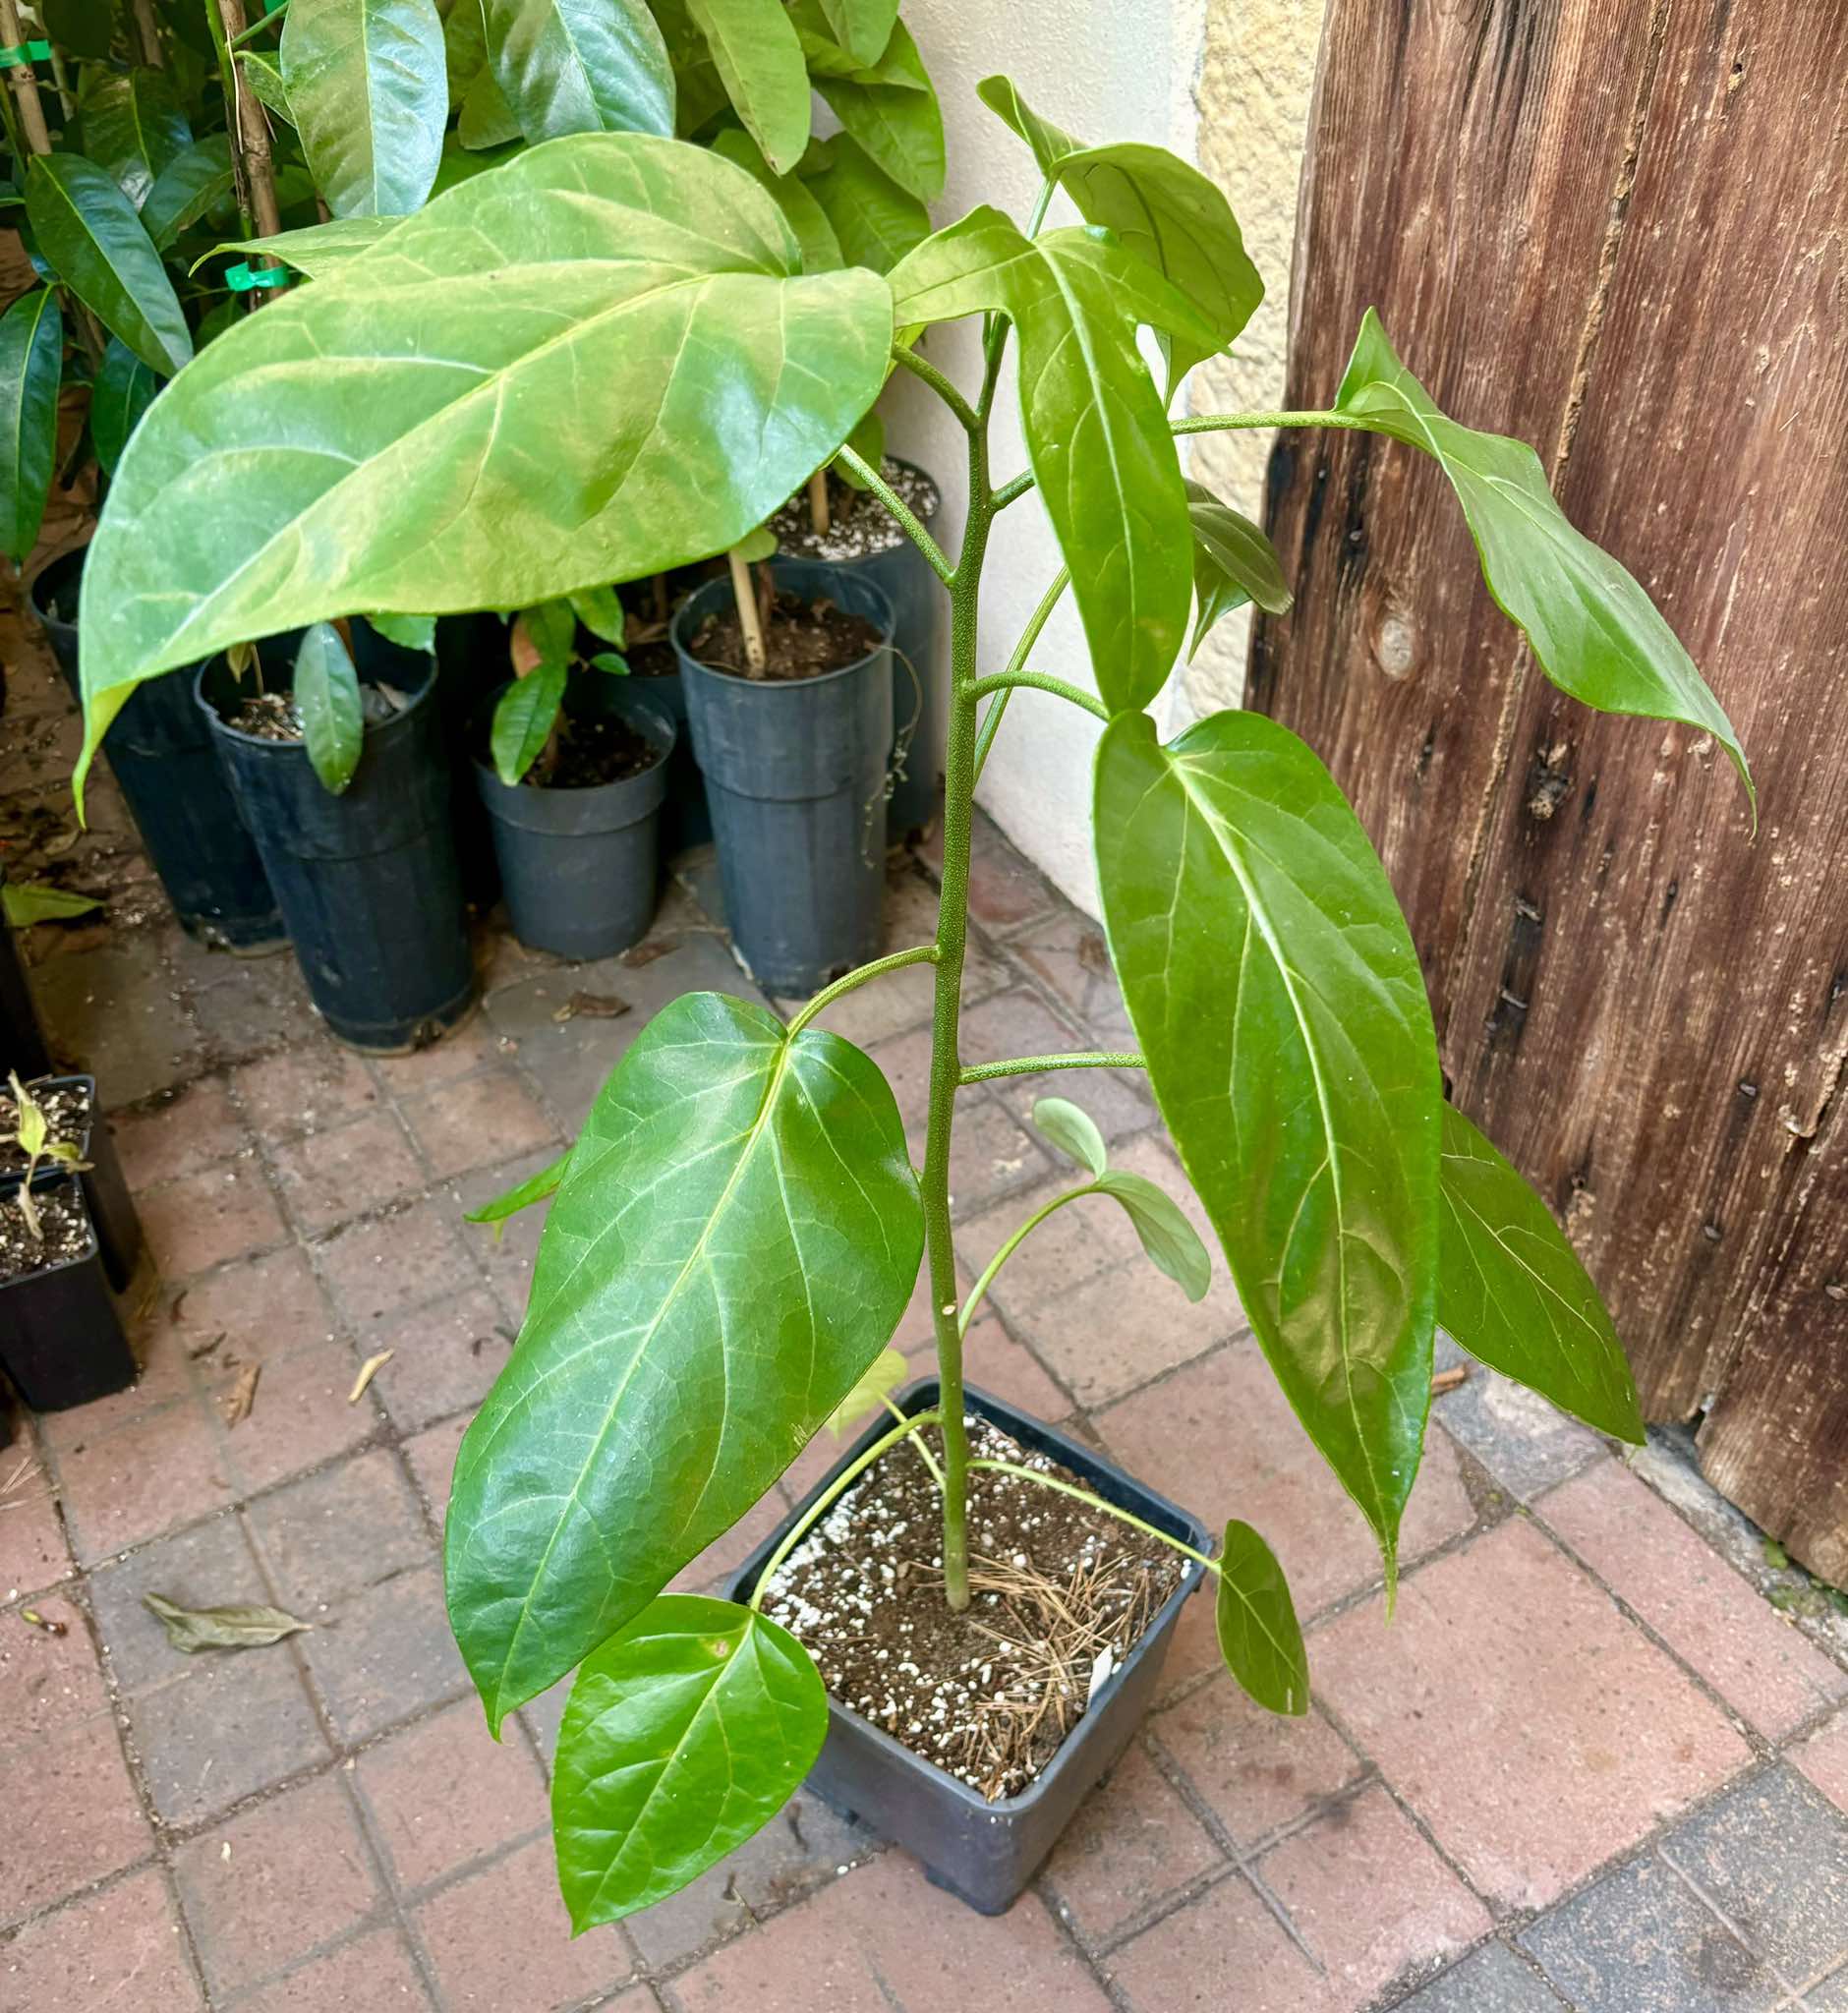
(24, 52)
(242, 279)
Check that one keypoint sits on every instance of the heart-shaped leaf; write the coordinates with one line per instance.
(645, 286)
(898, 123)
(733, 1243)
(524, 717)
(327, 697)
(1234, 562)
(193, 182)
(759, 59)
(581, 66)
(88, 232)
(124, 390)
(1593, 631)
(32, 368)
(1276, 996)
(132, 125)
(1512, 1291)
(683, 1736)
(369, 90)
(1260, 1635)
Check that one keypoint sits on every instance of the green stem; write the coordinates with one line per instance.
(1010, 493)
(1038, 681)
(922, 1452)
(1051, 1482)
(1031, 1065)
(1232, 423)
(1029, 636)
(822, 1503)
(270, 19)
(909, 360)
(980, 1288)
(919, 953)
(850, 457)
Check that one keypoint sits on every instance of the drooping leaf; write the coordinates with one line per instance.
(874, 222)
(1513, 1292)
(423, 378)
(683, 1736)
(264, 74)
(600, 610)
(193, 182)
(81, 27)
(1073, 1130)
(524, 717)
(88, 231)
(408, 632)
(369, 88)
(883, 1376)
(1260, 1635)
(1593, 631)
(1163, 209)
(732, 1244)
(759, 60)
(900, 125)
(1278, 999)
(862, 27)
(821, 249)
(1168, 1240)
(124, 390)
(523, 1194)
(316, 249)
(227, 1628)
(1097, 433)
(581, 66)
(1234, 562)
(31, 368)
(327, 697)
(133, 126)
(35, 902)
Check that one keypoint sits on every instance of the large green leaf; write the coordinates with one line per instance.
(1260, 1635)
(327, 698)
(685, 1735)
(1512, 1291)
(1234, 562)
(1278, 999)
(1097, 433)
(753, 44)
(132, 125)
(821, 249)
(874, 222)
(1163, 208)
(1593, 631)
(369, 90)
(304, 468)
(581, 66)
(734, 1240)
(32, 367)
(316, 248)
(862, 27)
(124, 390)
(195, 181)
(88, 233)
(899, 123)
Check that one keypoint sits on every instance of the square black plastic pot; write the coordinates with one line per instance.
(61, 1339)
(105, 1190)
(984, 1853)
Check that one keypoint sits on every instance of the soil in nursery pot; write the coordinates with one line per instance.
(592, 751)
(802, 639)
(64, 1222)
(1061, 1595)
(67, 1115)
(274, 715)
(859, 524)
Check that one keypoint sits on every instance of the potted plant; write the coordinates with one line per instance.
(51, 1132)
(736, 1233)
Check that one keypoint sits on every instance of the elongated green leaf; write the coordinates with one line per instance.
(882, 1375)
(732, 1244)
(369, 90)
(88, 231)
(193, 182)
(862, 27)
(264, 74)
(900, 125)
(684, 1736)
(523, 1194)
(36, 902)
(600, 610)
(1593, 631)
(1162, 208)
(124, 390)
(821, 249)
(1278, 999)
(1168, 1240)
(316, 249)
(327, 697)
(581, 66)
(1260, 1635)
(32, 367)
(1073, 1130)
(132, 125)
(874, 222)
(759, 60)
(1234, 562)
(1096, 430)
(1512, 1291)
(524, 717)
(647, 287)
(408, 632)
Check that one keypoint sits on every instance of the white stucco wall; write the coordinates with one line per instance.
(1164, 71)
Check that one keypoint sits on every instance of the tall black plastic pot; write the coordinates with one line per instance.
(795, 774)
(161, 753)
(581, 867)
(61, 1335)
(984, 1853)
(368, 880)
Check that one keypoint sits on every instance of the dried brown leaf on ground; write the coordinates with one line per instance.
(369, 1370)
(241, 1395)
(227, 1628)
(592, 1007)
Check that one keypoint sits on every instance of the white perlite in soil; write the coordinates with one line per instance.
(859, 523)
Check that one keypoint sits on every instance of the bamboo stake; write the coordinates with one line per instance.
(818, 502)
(756, 658)
(24, 85)
(147, 31)
(252, 160)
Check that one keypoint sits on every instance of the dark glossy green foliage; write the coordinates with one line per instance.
(524, 717)
(133, 126)
(369, 90)
(327, 698)
(91, 235)
(123, 390)
(30, 371)
(196, 181)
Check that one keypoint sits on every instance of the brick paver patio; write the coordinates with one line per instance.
(1588, 1765)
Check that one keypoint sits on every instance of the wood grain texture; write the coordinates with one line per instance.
(1644, 1005)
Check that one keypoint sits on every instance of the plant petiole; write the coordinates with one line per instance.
(1051, 1482)
(1031, 1065)
(1038, 681)
(919, 953)
(851, 458)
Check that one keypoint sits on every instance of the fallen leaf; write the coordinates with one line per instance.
(369, 1370)
(639, 955)
(592, 1007)
(196, 1350)
(48, 1623)
(243, 1395)
(227, 1628)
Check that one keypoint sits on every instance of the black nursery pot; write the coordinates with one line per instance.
(161, 754)
(61, 1339)
(984, 1853)
(368, 880)
(580, 867)
(795, 774)
(104, 1189)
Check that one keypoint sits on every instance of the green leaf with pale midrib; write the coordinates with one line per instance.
(581, 66)
(1512, 1291)
(1278, 1003)
(190, 185)
(683, 1736)
(758, 58)
(369, 92)
(1255, 1621)
(316, 249)
(32, 368)
(132, 125)
(898, 123)
(734, 1240)
(327, 698)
